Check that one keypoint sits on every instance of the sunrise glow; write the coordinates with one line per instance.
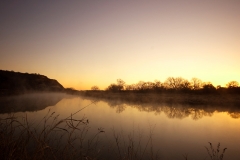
(86, 43)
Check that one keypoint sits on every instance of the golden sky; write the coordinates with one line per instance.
(86, 43)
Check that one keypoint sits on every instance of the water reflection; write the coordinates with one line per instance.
(179, 111)
(29, 102)
(36, 102)
(178, 129)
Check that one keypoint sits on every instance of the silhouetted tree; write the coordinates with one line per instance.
(232, 84)
(116, 87)
(177, 83)
(149, 86)
(130, 87)
(158, 86)
(196, 83)
(185, 85)
(218, 87)
(170, 83)
(233, 87)
(121, 83)
(95, 88)
(140, 86)
(208, 88)
(221, 89)
(144, 86)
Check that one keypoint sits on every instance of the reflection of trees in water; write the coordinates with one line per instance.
(120, 107)
(181, 112)
(174, 105)
(200, 113)
(235, 114)
(176, 111)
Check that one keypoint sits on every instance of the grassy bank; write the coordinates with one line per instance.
(49, 139)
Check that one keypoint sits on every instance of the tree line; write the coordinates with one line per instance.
(172, 84)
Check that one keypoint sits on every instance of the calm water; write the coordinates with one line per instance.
(174, 130)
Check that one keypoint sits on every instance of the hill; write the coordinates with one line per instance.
(12, 83)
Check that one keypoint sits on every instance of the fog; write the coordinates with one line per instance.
(29, 102)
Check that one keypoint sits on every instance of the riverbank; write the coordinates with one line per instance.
(226, 100)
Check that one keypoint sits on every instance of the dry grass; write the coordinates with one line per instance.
(66, 139)
(215, 154)
(69, 138)
(49, 139)
(133, 147)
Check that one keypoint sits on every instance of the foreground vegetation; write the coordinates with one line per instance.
(69, 138)
(49, 139)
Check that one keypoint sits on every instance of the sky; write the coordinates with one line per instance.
(83, 43)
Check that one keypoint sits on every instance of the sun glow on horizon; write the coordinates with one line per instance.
(88, 43)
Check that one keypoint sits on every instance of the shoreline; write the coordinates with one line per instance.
(232, 100)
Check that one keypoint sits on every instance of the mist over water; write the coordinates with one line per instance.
(175, 130)
(29, 102)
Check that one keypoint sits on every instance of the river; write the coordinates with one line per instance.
(121, 130)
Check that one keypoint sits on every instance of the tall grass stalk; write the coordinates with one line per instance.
(69, 138)
(49, 139)
(215, 154)
(132, 146)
